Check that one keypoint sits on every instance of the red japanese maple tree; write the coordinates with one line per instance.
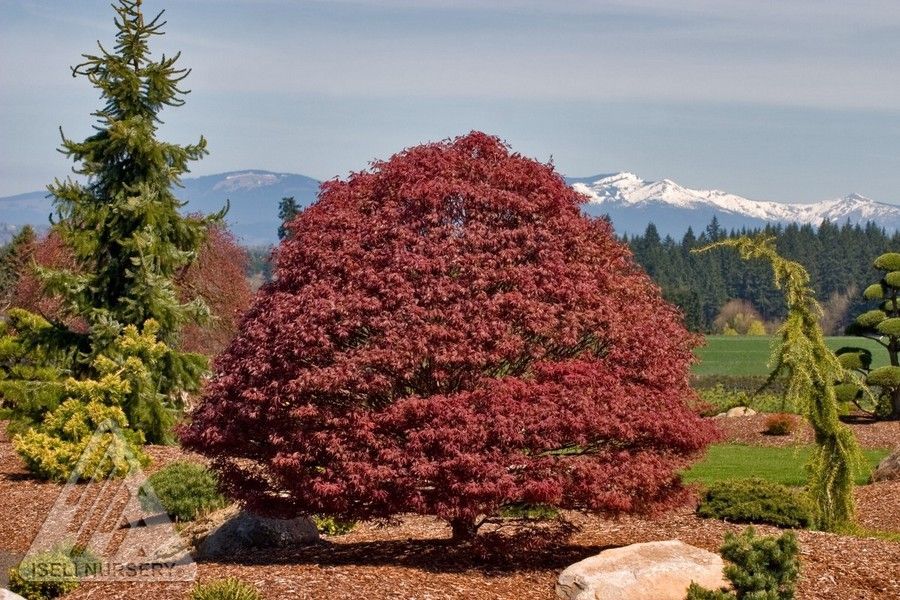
(445, 334)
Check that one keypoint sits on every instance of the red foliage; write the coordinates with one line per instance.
(28, 293)
(217, 276)
(445, 334)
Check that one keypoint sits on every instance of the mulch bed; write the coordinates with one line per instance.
(751, 430)
(411, 558)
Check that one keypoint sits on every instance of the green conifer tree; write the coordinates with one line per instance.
(123, 226)
(810, 369)
(13, 259)
(287, 210)
(881, 324)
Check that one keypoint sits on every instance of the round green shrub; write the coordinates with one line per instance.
(888, 262)
(885, 377)
(225, 589)
(893, 279)
(185, 490)
(854, 358)
(874, 292)
(757, 501)
(888, 307)
(889, 327)
(871, 318)
(847, 392)
(44, 576)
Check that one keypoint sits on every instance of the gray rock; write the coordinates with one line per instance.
(8, 595)
(650, 571)
(889, 468)
(241, 531)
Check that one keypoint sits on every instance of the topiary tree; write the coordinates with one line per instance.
(447, 334)
(810, 369)
(881, 324)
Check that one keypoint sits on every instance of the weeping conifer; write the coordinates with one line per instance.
(810, 370)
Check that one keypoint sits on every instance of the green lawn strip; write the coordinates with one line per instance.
(744, 355)
(781, 465)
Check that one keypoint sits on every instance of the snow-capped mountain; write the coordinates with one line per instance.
(632, 202)
(627, 199)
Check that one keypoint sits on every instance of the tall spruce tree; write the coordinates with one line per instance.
(127, 237)
(123, 224)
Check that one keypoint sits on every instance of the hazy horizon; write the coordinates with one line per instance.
(790, 103)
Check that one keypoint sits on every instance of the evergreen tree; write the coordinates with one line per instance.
(810, 369)
(881, 324)
(287, 210)
(123, 224)
(129, 241)
(13, 260)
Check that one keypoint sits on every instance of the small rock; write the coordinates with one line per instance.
(738, 411)
(8, 595)
(650, 571)
(889, 468)
(231, 531)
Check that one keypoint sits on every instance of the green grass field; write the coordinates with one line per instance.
(740, 355)
(781, 465)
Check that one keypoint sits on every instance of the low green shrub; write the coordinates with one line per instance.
(737, 383)
(225, 589)
(332, 525)
(757, 501)
(185, 490)
(720, 398)
(762, 568)
(780, 424)
(52, 573)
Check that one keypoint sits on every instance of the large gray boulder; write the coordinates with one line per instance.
(650, 571)
(232, 531)
(889, 468)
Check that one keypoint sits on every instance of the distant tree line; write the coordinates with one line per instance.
(838, 258)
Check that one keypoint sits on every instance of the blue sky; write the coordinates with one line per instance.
(788, 101)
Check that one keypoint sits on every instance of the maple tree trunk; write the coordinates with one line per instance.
(464, 530)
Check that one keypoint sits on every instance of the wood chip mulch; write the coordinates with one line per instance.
(751, 430)
(411, 559)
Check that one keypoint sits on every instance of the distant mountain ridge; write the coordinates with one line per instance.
(630, 202)
(253, 196)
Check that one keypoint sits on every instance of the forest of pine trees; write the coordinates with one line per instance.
(838, 258)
